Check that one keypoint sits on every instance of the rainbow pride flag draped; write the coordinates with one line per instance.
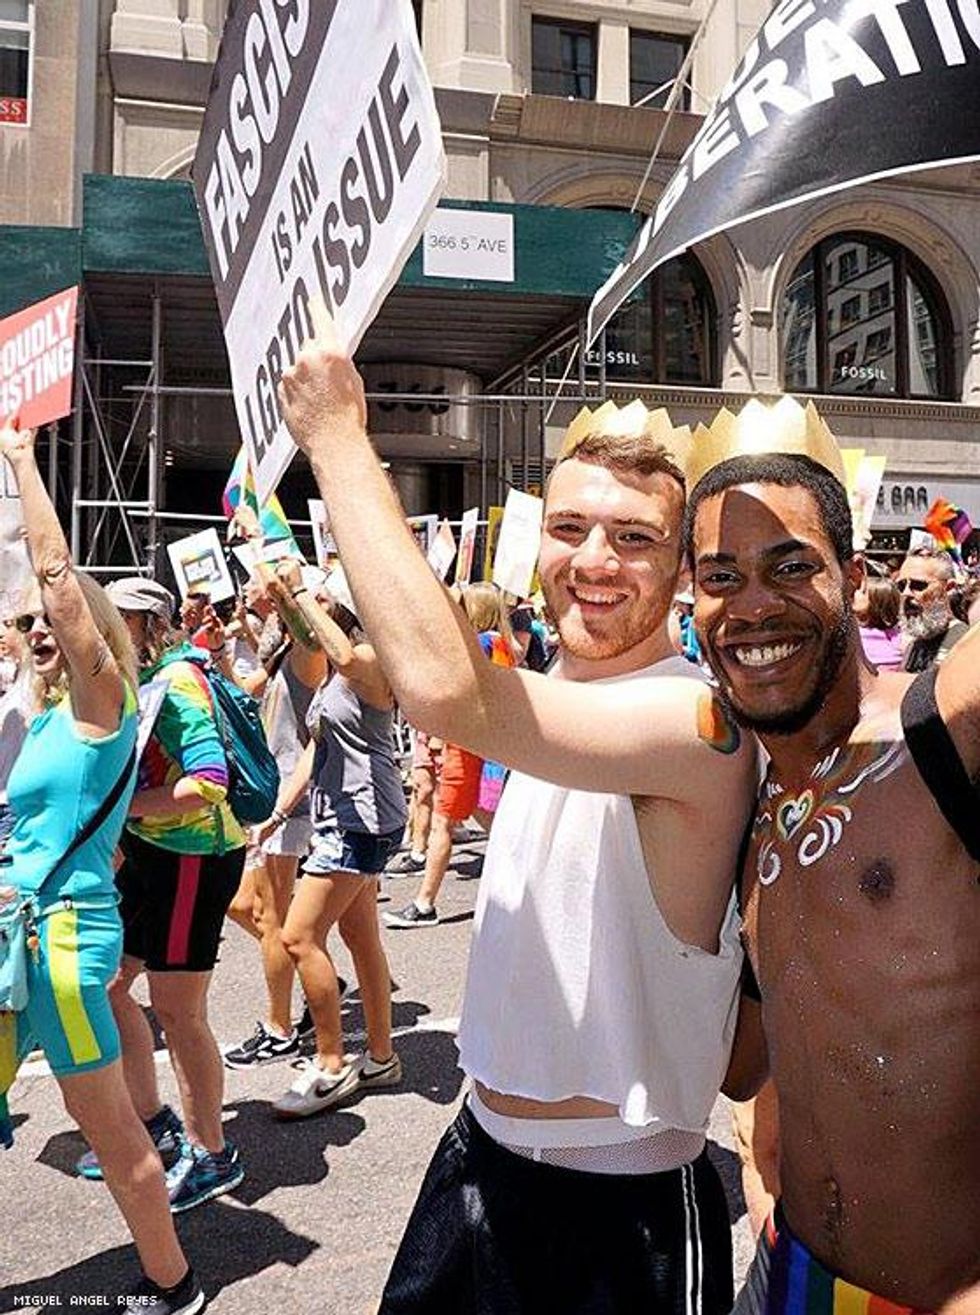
(241, 489)
(948, 525)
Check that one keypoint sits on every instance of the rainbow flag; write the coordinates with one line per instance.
(948, 525)
(241, 488)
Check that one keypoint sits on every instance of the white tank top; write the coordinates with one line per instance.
(576, 986)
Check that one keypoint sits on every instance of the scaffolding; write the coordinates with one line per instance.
(118, 512)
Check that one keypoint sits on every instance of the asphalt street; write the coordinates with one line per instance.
(316, 1222)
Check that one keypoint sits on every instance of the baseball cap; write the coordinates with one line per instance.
(136, 594)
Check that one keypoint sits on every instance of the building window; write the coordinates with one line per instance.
(863, 315)
(655, 61)
(667, 336)
(16, 30)
(563, 58)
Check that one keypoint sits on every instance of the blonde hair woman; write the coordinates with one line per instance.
(78, 753)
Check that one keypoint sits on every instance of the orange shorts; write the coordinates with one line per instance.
(458, 791)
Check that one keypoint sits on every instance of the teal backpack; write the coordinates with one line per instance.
(253, 776)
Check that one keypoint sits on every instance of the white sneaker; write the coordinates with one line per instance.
(315, 1089)
(373, 1074)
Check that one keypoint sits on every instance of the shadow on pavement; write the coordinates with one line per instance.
(429, 1067)
(299, 1145)
(404, 1013)
(456, 917)
(225, 1245)
(250, 1124)
(730, 1172)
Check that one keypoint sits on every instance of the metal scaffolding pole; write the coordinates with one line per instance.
(542, 437)
(525, 431)
(501, 482)
(53, 462)
(484, 426)
(153, 436)
(78, 436)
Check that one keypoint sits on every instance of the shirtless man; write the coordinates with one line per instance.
(862, 902)
(575, 1177)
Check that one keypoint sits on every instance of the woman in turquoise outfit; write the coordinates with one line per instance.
(76, 749)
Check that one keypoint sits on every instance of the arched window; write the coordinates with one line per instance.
(861, 314)
(667, 335)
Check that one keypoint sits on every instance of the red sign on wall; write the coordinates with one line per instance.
(13, 109)
(37, 358)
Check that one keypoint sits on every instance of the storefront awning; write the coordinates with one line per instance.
(141, 237)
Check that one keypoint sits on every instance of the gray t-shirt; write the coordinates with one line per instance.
(356, 783)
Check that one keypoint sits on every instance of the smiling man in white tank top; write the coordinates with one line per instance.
(604, 971)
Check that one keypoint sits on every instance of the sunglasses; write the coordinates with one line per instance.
(915, 586)
(25, 623)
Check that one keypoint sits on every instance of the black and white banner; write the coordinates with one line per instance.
(830, 93)
(319, 162)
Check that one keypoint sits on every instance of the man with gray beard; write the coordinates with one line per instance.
(926, 580)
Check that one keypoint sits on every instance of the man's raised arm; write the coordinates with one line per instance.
(651, 737)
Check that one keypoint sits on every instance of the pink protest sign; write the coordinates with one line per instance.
(37, 357)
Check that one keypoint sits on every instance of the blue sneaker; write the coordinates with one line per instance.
(200, 1176)
(166, 1132)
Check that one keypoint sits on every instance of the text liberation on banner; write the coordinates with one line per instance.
(827, 95)
(319, 162)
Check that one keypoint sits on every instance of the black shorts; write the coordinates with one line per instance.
(173, 905)
(493, 1233)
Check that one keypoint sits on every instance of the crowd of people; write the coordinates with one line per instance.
(725, 696)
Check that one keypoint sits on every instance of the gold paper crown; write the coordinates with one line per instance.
(760, 430)
(633, 419)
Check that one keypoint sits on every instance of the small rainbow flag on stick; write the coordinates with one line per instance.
(240, 489)
(948, 525)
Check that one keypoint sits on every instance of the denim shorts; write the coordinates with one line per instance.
(335, 849)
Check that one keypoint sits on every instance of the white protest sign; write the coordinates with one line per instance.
(469, 244)
(17, 585)
(443, 550)
(467, 543)
(863, 497)
(319, 161)
(199, 560)
(320, 524)
(151, 698)
(424, 530)
(339, 589)
(518, 544)
(257, 551)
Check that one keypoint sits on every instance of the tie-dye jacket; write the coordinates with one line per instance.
(186, 742)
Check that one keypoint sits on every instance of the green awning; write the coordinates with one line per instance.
(35, 263)
(149, 226)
